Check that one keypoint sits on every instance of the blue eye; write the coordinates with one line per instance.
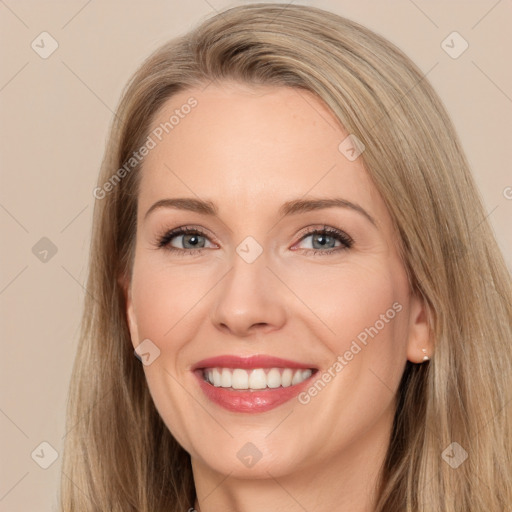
(194, 241)
(190, 236)
(324, 241)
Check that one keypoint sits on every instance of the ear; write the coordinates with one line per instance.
(125, 285)
(420, 341)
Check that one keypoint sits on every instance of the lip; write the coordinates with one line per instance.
(247, 401)
(248, 362)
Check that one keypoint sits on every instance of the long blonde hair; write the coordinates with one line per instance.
(119, 455)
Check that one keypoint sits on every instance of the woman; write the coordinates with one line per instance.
(287, 234)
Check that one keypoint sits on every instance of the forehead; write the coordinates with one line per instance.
(252, 148)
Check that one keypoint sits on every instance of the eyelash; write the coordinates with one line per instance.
(164, 240)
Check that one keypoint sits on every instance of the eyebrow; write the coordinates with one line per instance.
(293, 207)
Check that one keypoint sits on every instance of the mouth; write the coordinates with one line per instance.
(255, 379)
(252, 384)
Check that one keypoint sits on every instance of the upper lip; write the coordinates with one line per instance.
(254, 361)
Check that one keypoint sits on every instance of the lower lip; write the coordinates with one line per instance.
(250, 401)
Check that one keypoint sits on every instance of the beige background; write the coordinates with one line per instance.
(55, 113)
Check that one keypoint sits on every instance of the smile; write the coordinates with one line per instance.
(252, 384)
(259, 378)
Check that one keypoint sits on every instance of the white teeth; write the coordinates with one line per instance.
(306, 374)
(240, 379)
(259, 378)
(225, 380)
(297, 377)
(274, 378)
(286, 378)
(215, 378)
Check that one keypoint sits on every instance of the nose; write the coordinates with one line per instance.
(250, 299)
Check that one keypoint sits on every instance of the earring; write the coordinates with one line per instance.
(425, 357)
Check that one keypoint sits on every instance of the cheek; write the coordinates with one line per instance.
(354, 303)
(365, 308)
(363, 311)
(164, 299)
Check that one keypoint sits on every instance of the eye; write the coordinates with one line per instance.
(188, 240)
(191, 240)
(323, 241)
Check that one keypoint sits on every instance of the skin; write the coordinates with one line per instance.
(249, 150)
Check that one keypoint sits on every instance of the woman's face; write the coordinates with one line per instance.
(259, 284)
